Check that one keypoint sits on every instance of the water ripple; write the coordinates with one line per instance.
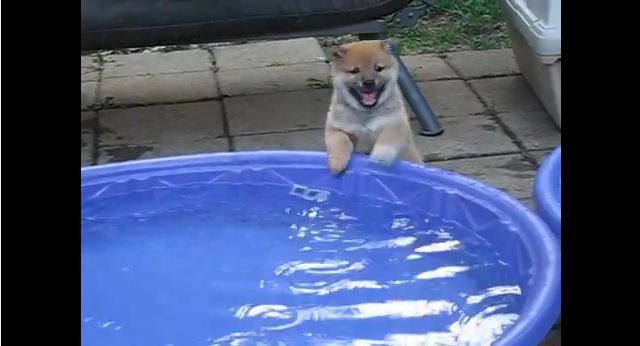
(403, 223)
(492, 292)
(484, 328)
(439, 247)
(327, 267)
(385, 244)
(338, 286)
(442, 272)
(390, 309)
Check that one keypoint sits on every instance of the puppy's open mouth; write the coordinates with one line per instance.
(367, 96)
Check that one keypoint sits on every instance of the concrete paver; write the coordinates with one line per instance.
(87, 126)
(88, 69)
(540, 156)
(507, 94)
(535, 129)
(158, 124)
(427, 67)
(267, 54)
(88, 94)
(483, 63)
(272, 79)
(297, 140)
(160, 88)
(451, 98)
(303, 109)
(510, 173)
(528, 202)
(125, 152)
(463, 137)
(122, 65)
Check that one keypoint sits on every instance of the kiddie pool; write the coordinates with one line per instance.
(516, 233)
(546, 191)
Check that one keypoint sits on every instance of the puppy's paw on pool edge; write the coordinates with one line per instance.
(384, 154)
(337, 165)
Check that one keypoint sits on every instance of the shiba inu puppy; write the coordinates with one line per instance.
(367, 107)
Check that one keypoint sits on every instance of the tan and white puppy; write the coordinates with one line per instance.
(367, 107)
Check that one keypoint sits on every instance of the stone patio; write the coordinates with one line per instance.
(269, 95)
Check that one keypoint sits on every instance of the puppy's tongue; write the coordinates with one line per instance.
(368, 97)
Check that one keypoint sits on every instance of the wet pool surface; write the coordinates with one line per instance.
(192, 266)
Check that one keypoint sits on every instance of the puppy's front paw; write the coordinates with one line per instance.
(384, 154)
(337, 164)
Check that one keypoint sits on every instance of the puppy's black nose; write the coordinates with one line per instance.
(369, 83)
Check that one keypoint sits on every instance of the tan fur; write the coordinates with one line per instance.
(384, 125)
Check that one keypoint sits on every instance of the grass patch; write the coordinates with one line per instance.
(450, 25)
(315, 83)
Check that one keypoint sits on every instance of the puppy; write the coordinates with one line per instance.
(366, 107)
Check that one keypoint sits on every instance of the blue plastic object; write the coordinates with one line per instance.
(514, 232)
(546, 191)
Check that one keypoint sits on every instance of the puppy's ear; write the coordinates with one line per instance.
(338, 53)
(388, 45)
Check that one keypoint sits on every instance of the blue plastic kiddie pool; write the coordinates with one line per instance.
(268, 248)
(546, 191)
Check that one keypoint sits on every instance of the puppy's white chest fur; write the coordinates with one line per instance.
(364, 125)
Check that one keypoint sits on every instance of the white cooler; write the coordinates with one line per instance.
(534, 28)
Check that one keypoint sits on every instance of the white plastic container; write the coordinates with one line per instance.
(534, 29)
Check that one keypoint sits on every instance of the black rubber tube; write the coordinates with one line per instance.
(430, 126)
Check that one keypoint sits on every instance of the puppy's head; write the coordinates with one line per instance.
(365, 72)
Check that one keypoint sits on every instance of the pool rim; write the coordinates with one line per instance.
(541, 308)
(545, 194)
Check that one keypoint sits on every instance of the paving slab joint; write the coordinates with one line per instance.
(493, 115)
(225, 121)
(95, 154)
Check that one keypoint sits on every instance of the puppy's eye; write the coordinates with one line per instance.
(355, 70)
(379, 68)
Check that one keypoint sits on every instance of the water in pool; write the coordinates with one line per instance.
(183, 266)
